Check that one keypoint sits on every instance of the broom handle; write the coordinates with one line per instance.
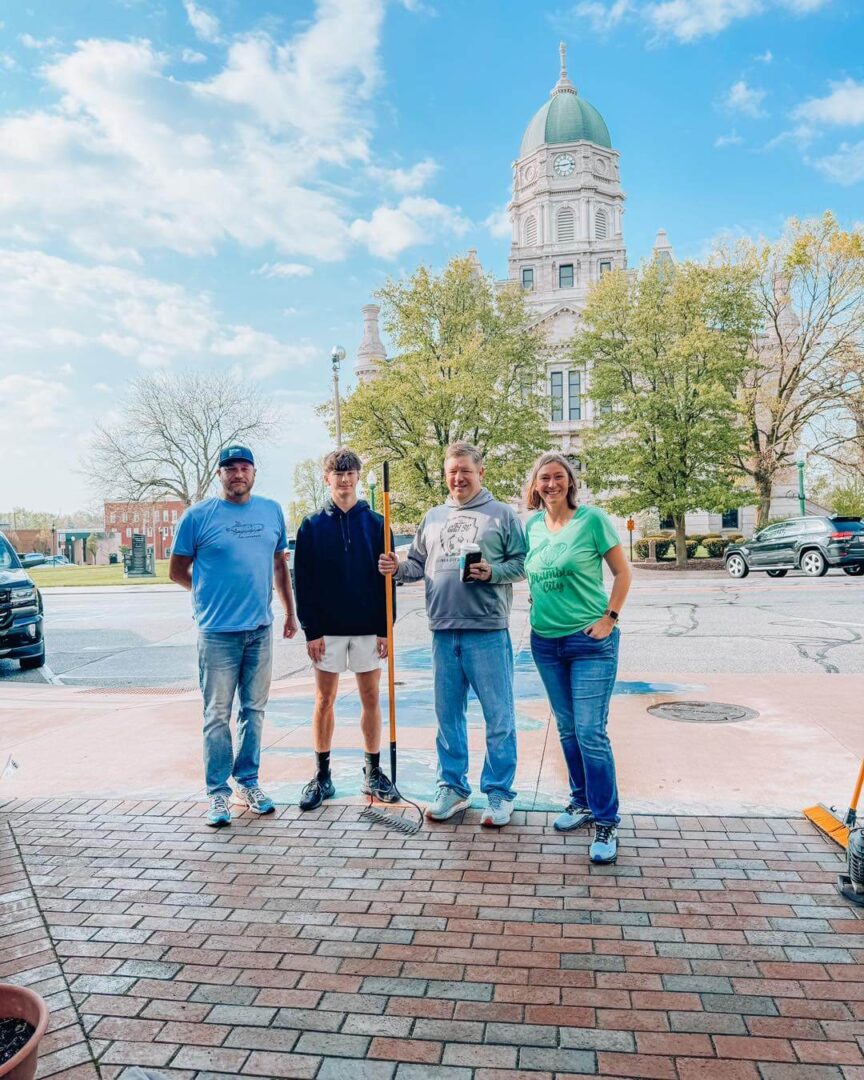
(391, 664)
(856, 794)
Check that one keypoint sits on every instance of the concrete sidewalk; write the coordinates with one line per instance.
(320, 946)
(146, 742)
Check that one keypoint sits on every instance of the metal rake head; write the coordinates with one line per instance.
(404, 825)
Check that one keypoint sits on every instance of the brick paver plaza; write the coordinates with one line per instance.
(322, 946)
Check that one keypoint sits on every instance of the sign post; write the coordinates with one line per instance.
(631, 525)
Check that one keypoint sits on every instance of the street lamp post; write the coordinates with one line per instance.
(800, 461)
(337, 355)
(372, 484)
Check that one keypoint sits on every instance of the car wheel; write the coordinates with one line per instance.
(854, 571)
(28, 663)
(736, 566)
(777, 573)
(814, 564)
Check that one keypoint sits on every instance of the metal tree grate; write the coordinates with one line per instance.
(702, 712)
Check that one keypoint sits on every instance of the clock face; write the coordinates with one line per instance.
(564, 164)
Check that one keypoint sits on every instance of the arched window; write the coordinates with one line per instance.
(566, 223)
(601, 225)
(530, 230)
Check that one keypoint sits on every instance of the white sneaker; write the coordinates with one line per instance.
(498, 812)
(447, 803)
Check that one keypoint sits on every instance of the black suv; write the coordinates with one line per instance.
(808, 544)
(20, 611)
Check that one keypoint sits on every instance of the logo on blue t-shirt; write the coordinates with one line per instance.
(244, 531)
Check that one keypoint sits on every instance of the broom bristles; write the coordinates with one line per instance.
(392, 821)
(827, 822)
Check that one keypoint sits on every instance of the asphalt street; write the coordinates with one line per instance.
(698, 622)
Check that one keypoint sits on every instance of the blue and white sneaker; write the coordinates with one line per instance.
(497, 813)
(255, 799)
(447, 803)
(219, 813)
(574, 817)
(604, 849)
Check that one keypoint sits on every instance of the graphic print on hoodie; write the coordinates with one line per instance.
(339, 590)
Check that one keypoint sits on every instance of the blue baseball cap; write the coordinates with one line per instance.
(235, 453)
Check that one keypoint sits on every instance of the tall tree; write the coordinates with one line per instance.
(809, 287)
(668, 346)
(171, 429)
(466, 367)
(310, 491)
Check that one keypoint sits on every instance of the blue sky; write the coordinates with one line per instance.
(222, 185)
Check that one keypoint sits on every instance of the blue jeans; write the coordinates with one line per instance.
(579, 672)
(235, 662)
(483, 660)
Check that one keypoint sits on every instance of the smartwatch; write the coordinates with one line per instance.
(613, 615)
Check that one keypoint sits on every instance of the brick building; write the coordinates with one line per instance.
(157, 520)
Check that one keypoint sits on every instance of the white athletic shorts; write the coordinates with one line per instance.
(357, 654)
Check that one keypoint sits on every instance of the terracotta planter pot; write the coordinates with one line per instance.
(19, 1003)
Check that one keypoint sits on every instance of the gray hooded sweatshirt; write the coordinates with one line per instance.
(452, 604)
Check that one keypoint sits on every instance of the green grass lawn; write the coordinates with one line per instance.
(65, 576)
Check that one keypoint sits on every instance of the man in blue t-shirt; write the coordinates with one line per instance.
(230, 552)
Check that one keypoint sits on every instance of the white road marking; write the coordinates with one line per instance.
(49, 675)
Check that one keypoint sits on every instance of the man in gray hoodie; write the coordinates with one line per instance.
(470, 637)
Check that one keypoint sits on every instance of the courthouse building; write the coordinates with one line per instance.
(567, 220)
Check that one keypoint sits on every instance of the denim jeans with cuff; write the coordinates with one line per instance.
(483, 661)
(579, 673)
(236, 661)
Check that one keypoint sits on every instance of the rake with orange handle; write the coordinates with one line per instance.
(372, 812)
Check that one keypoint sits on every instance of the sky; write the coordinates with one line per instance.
(222, 185)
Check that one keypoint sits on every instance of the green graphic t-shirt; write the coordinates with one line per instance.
(565, 571)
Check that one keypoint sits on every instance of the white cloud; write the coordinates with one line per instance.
(843, 107)
(845, 166)
(498, 223)
(745, 99)
(732, 139)
(682, 20)
(192, 56)
(31, 403)
(51, 306)
(603, 17)
(205, 25)
(405, 181)
(30, 42)
(415, 220)
(764, 58)
(283, 270)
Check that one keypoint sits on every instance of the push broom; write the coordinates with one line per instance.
(371, 812)
(828, 821)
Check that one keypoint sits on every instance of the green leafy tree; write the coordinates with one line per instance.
(310, 491)
(809, 288)
(466, 367)
(669, 347)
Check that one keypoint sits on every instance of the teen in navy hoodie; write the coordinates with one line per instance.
(341, 606)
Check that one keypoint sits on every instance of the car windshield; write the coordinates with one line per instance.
(8, 559)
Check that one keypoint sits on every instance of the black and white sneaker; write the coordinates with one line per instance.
(379, 785)
(315, 792)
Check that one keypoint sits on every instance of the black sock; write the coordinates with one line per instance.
(322, 759)
(373, 763)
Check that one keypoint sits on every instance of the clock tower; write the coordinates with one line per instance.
(566, 216)
(567, 205)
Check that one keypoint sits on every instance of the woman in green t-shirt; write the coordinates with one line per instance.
(574, 639)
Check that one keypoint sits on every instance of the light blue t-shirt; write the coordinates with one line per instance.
(233, 546)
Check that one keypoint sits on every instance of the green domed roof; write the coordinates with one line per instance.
(565, 118)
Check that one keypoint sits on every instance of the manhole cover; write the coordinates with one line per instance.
(702, 712)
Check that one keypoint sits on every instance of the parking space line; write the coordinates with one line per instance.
(49, 676)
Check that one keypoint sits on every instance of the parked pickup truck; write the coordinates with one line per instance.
(20, 611)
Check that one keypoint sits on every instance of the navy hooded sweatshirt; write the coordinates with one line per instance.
(339, 590)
